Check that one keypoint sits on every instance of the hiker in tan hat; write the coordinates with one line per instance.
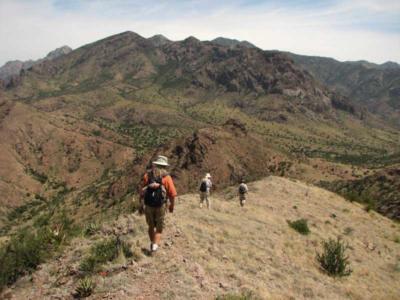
(157, 188)
(205, 187)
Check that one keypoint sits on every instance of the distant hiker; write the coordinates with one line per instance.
(157, 188)
(242, 191)
(205, 187)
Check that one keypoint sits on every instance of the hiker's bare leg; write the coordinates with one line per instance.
(208, 201)
(157, 237)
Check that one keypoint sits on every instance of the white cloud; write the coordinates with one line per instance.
(346, 30)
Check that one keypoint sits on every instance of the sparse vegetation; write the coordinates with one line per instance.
(96, 132)
(102, 252)
(90, 229)
(84, 288)
(248, 295)
(348, 230)
(333, 259)
(300, 226)
(29, 247)
(42, 178)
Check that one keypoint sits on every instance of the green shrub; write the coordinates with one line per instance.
(300, 226)
(104, 251)
(126, 249)
(333, 259)
(370, 204)
(26, 209)
(42, 220)
(248, 295)
(348, 230)
(22, 254)
(84, 288)
(29, 247)
(96, 132)
(42, 178)
(90, 229)
(88, 264)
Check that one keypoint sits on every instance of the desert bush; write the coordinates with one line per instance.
(348, 230)
(104, 251)
(300, 226)
(84, 288)
(333, 259)
(23, 253)
(42, 220)
(90, 229)
(370, 204)
(126, 249)
(29, 247)
(96, 132)
(42, 178)
(248, 295)
(26, 209)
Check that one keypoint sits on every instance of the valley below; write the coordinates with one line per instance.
(78, 131)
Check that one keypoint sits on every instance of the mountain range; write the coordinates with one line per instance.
(78, 129)
(376, 87)
(12, 69)
(124, 98)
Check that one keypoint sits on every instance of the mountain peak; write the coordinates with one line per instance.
(390, 65)
(232, 42)
(159, 40)
(191, 39)
(58, 52)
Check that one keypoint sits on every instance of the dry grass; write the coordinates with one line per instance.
(231, 250)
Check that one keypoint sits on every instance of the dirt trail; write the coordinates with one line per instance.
(230, 249)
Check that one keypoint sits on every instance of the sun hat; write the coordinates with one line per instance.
(208, 175)
(161, 161)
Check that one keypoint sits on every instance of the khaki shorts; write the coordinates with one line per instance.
(204, 196)
(155, 217)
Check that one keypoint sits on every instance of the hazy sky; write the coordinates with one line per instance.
(345, 30)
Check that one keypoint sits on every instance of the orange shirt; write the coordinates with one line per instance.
(167, 182)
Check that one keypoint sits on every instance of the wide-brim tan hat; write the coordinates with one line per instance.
(208, 175)
(161, 161)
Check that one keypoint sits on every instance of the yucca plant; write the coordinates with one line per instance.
(84, 288)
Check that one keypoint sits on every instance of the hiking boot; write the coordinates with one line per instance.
(154, 247)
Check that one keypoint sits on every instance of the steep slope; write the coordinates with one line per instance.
(233, 250)
(39, 150)
(376, 87)
(381, 190)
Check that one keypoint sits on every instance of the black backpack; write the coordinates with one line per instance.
(203, 186)
(242, 189)
(155, 197)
